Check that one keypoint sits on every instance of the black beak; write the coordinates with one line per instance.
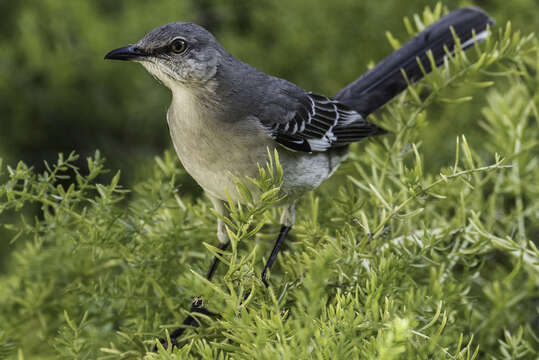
(130, 52)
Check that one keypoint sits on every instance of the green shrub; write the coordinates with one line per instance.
(388, 260)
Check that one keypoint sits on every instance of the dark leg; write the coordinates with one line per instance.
(197, 306)
(215, 262)
(282, 235)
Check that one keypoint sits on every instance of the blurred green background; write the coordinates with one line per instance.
(57, 94)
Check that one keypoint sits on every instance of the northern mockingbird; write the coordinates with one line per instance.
(225, 114)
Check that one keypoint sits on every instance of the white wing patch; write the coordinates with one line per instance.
(312, 126)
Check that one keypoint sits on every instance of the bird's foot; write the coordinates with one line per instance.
(197, 307)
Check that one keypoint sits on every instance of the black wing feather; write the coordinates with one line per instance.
(320, 123)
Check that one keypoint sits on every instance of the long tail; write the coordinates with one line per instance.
(385, 81)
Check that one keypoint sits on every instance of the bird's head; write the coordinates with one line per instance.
(177, 54)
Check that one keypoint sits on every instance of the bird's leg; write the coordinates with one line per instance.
(197, 305)
(222, 235)
(215, 262)
(287, 221)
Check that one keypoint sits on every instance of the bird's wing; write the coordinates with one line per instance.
(315, 123)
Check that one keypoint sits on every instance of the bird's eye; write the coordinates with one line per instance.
(178, 46)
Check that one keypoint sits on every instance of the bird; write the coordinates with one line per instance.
(225, 114)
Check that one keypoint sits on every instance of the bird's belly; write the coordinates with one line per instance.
(216, 168)
(215, 153)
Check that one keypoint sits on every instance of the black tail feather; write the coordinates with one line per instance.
(385, 81)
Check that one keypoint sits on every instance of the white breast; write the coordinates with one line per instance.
(212, 149)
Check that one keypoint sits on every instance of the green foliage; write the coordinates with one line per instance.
(389, 260)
